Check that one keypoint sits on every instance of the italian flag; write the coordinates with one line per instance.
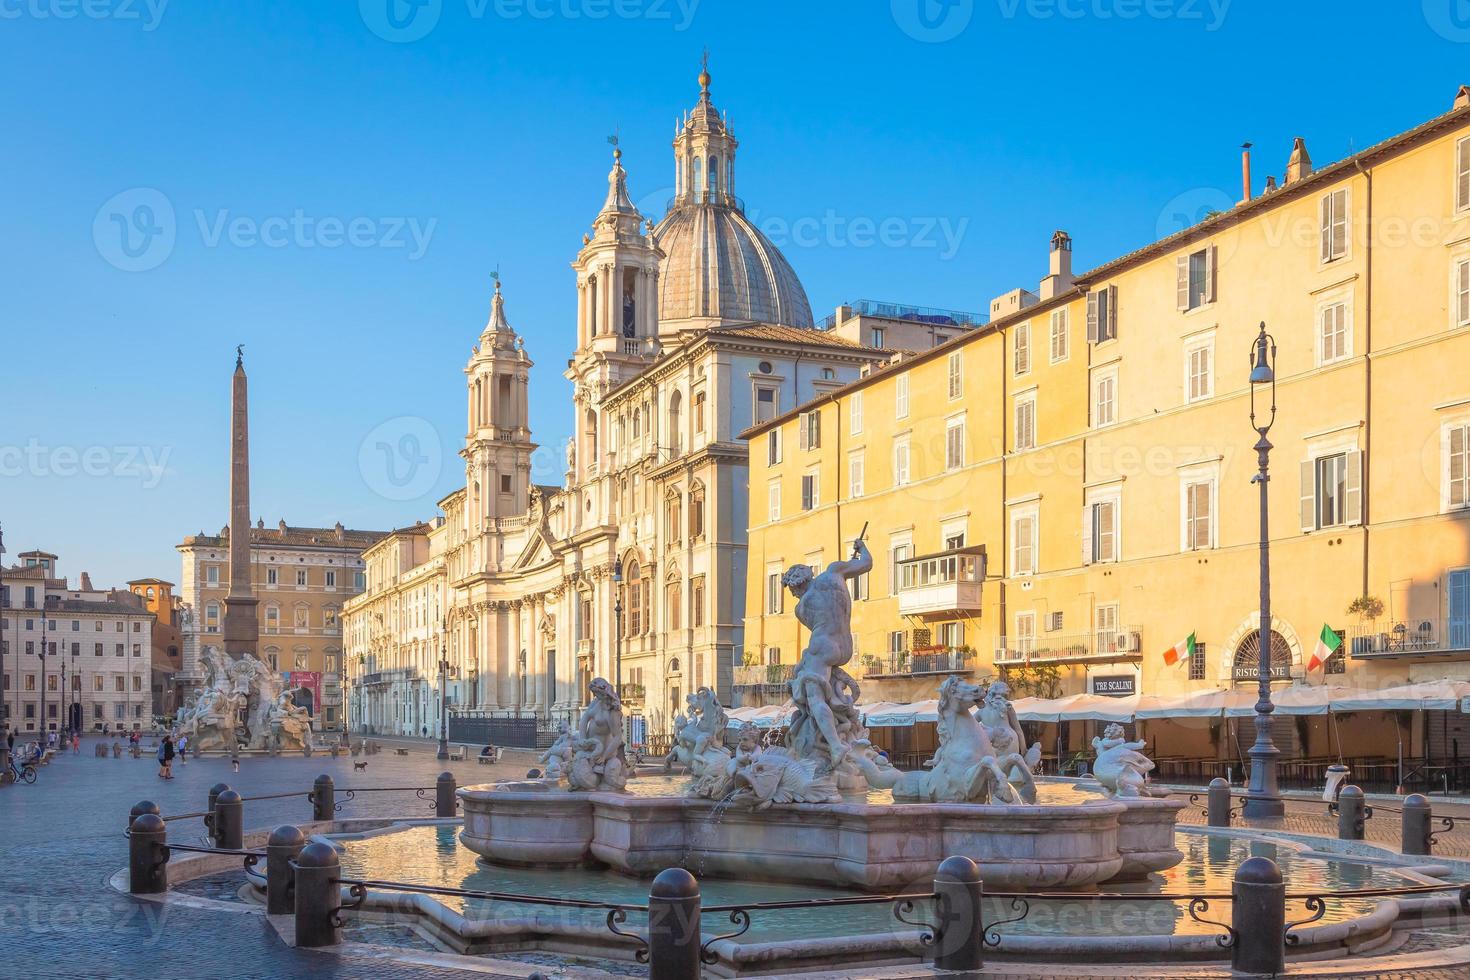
(1327, 645)
(1182, 650)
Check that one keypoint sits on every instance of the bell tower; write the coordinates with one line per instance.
(498, 446)
(704, 153)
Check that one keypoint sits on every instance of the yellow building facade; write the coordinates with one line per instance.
(1066, 492)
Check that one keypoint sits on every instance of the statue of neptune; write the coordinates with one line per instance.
(824, 606)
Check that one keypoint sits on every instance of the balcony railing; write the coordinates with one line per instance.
(764, 675)
(905, 311)
(937, 661)
(1125, 643)
(943, 583)
(631, 693)
(1408, 637)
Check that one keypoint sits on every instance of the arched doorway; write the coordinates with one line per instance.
(1247, 663)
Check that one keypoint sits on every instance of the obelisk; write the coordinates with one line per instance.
(242, 631)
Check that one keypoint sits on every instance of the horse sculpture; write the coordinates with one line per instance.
(966, 768)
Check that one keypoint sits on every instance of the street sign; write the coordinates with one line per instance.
(1115, 685)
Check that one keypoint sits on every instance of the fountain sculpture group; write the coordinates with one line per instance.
(242, 706)
(978, 793)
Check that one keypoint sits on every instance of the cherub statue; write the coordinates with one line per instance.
(597, 750)
(1120, 766)
(558, 757)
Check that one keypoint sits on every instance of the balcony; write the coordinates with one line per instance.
(631, 694)
(1125, 643)
(931, 660)
(764, 675)
(1409, 638)
(942, 584)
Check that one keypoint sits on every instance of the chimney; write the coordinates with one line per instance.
(1300, 165)
(86, 582)
(1059, 272)
(1245, 172)
(1462, 97)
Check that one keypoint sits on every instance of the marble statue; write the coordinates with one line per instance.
(290, 724)
(820, 686)
(240, 705)
(1005, 732)
(597, 749)
(966, 767)
(700, 744)
(1120, 766)
(558, 757)
(773, 776)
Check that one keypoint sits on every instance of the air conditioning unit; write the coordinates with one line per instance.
(1128, 642)
(1053, 621)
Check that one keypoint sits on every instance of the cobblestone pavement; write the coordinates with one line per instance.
(64, 839)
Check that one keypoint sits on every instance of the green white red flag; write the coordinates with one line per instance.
(1182, 650)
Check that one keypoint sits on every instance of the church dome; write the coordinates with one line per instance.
(716, 264)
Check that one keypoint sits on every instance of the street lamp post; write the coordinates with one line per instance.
(1263, 797)
(443, 690)
(618, 623)
(45, 627)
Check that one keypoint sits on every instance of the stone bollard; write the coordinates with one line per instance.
(960, 939)
(318, 896)
(137, 751)
(284, 844)
(117, 750)
(146, 806)
(445, 802)
(323, 797)
(214, 792)
(1417, 817)
(229, 821)
(1258, 916)
(673, 926)
(1218, 811)
(148, 855)
(1352, 813)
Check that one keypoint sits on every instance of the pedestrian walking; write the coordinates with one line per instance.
(76, 743)
(183, 747)
(235, 756)
(166, 757)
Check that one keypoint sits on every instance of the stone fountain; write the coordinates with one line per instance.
(241, 705)
(779, 813)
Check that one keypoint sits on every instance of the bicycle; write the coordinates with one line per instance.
(22, 773)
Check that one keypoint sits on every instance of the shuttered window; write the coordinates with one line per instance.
(1462, 174)
(1332, 322)
(1199, 515)
(1461, 299)
(1060, 342)
(811, 430)
(1023, 348)
(1334, 225)
(1026, 423)
(901, 396)
(956, 376)
(1195, 278)
(1100, 531)
(1105, 400)
(1102, 314)
(1332, 491)
(855, 413)
(954, 444)
(900, 463)
(1199, 372)
(1457, 470)
(1023, 544)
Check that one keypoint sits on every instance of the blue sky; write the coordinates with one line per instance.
(332, 184)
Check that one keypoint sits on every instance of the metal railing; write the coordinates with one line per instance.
(955, 661)
(764, 675)
(1125, 641)
(1415, 635)
(931, 315)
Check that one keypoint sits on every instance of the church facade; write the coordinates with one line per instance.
(688, 331)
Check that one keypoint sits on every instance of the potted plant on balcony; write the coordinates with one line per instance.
(1367, 608)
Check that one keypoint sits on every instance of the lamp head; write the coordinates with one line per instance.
(1262, 372)
(617, 570)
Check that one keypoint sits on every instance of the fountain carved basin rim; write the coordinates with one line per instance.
(879, 848)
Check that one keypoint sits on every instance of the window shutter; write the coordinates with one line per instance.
(1210, 274)
(1462, 175)
(1462, 293)
(1353, 497)
(1325, 220)
(1092, 321)
(1181, 282)
(1087, 534)
(1309, 495)
(1339, 223)
(1111, 327)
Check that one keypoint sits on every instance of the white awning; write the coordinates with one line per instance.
(1077, 707)
(1426, 696)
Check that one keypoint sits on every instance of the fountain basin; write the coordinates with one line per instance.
(882, 848)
